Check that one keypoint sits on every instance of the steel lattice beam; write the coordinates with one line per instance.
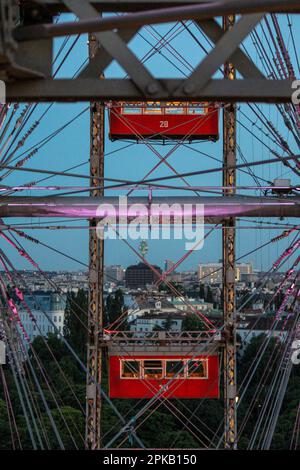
(228, 242)
(215, 208)
(96, 278)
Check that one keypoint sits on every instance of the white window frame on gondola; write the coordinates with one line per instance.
(205, 365)
(182, 372)
(122, 362)
(158, 368)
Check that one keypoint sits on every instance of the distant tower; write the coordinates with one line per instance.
(143, 247)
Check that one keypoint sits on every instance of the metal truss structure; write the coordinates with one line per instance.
(158, 337)
(26, 52)
(228, 241)
(96, 274)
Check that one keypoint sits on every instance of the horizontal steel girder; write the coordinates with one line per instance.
(215, 208)
(161, 15)
(89, 89)
(57, 6)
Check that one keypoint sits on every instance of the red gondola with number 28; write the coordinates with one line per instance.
(164, 121)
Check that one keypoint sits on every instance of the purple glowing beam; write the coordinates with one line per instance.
(160, 208)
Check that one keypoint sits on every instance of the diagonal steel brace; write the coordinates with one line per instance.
(223, 50)
(117, 49)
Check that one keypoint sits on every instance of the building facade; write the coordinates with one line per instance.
(140, 275)
(114, 273)
(48, 310)
(149, 322)
(211, 273)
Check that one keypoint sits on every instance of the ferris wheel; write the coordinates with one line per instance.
(143, 137)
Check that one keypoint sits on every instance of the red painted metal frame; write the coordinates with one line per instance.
(164, 126)
(179, 387)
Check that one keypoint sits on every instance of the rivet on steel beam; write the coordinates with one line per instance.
(188, 88)
(152, 88)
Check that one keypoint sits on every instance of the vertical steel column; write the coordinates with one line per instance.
(229, 180)
(96, 251)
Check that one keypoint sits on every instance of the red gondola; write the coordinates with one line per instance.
(142, 376)
(164, 121)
